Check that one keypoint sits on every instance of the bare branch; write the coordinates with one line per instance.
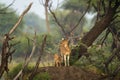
(45, 3)
(98, 5)
(115, 50)
(116, 71)
(110, 2)
(104, 38)
(39, 58)
(56, 20)
(117, 4)
(104, 7)
(95, 7)
(28, 59)
(20, 19)
(41, 2)
(3, 10)
(81, 17)
(115, 17)
(7, 6)
(114, 22)
(6, 47)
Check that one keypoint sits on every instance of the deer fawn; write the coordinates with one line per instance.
(57, 60)
(65, 51)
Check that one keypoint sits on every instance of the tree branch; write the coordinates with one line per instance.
(6, 53)
(28, 59)
(20, 19)
(56, 20)
(3, 9)
(104, 7)
(81, 17)
(92, 35)
(117, 4)
(94, 6)
(104, 38)
(39, 58)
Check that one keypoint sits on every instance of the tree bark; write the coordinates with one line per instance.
(6, 53)
(92, 35)
(46, 15)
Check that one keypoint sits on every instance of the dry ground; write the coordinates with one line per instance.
(69, 73)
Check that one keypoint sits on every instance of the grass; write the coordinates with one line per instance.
(42, 76)
(16, 65)
(32, 63)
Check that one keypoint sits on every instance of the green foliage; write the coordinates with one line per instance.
(12, 73)
(42, 76)
(74, 58)
(34, 22)
(73, 10)
(78, 5)
(94, 62)
(68, 20)
(8, 20)
(23, 48)
(96, 59)
(97, 56)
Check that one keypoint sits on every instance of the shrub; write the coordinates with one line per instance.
(42, 76)
(14, 71)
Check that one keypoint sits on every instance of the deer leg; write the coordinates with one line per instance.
(55, 64)
(65, 60)
(68, 57)
(62, 57)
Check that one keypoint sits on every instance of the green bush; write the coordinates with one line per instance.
(97, 58)
(42, 76)
(12, 73)
(23, 48)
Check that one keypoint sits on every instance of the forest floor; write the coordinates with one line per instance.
(69, 73)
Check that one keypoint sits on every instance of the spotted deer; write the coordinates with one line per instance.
(57, 60)
(65, 51)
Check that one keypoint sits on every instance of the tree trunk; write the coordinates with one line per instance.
(46, 15)
(92, 35)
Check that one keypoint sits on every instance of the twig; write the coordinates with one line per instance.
(7, 6)
(81, 17)
(20, 19)
(39, 58)
(115, 51)
(6, 53)
(104, 7)
(27, 60)
(56, 20)
(104, 38)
